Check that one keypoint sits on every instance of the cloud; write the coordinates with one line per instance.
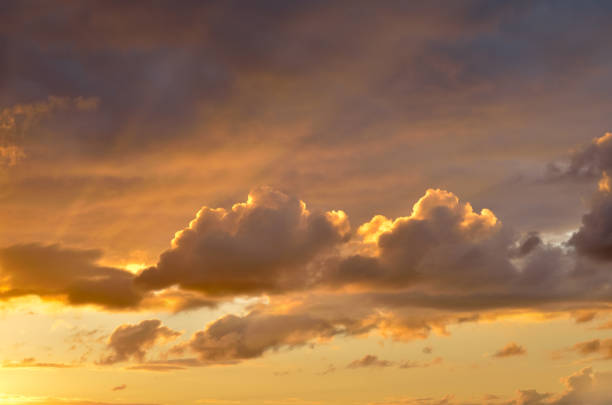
(418, 364)
(71, 274)
(119, 387)
(510, 350)
(593, 237)
(590, 161)
(328, 370)
(595, 346)
(262, 245)
(373, 361)
(16, 121)
(232, 338)
(404, 278)
(593, 161)
(34, 400)
(442, 245)
(168, 364)
(133, 341)
(582, 387)
(369, 360)
(606, 325)
(30, 362)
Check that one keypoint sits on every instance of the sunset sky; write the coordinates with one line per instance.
(306, 202)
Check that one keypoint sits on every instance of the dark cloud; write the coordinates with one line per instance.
(119, 387)
(71, 274)
(532, 241)
(594, 238)
(510, 350)
(589, 161)
(295, 91)
(132, 341)
(74, 277)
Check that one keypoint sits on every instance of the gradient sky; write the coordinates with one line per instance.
(306, 202)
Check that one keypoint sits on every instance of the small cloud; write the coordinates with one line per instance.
(31, 362)
(369, 361)
(595, 346)
(330, 369)
(511, 349)
(607, 325)
(132, 341)
(119, 387)
(286, 372)
(418, 364)
(427, 350)
(584, 316)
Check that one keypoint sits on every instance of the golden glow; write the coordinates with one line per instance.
(604, 138)
(604, 183)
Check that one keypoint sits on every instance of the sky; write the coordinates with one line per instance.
(305, 202)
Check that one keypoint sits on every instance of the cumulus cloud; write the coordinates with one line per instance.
(583, 387)
(262, 245)
(444, 244)
(133, 341)
(510, 350)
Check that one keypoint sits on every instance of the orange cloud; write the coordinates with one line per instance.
(132, 341)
